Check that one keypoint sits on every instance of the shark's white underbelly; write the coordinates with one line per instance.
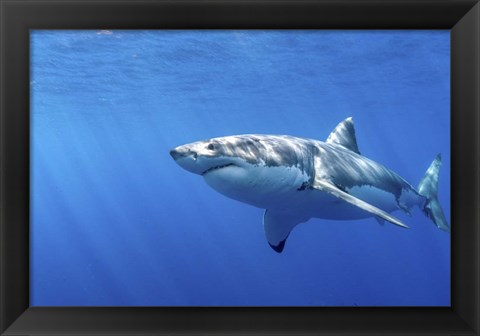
(277, 189)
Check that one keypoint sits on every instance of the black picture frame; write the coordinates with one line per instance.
(17, 17)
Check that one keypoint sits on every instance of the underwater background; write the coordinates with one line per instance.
(115, 221)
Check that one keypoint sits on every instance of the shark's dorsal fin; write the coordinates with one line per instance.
(332, 189)
(344, 135)
(277, 226)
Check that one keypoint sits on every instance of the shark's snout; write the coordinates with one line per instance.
(186, 158)
(180, 152)
(175, 154)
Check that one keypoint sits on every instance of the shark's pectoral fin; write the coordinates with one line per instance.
(277, 226)
(337, 192)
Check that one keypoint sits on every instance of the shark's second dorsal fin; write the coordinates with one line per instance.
(344, 135)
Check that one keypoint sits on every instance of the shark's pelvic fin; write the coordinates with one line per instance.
(277, 226)
(379, 220)
(344, 135)
(335, 191)
(428, 188)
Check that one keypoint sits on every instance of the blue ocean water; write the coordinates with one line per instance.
(115, 221)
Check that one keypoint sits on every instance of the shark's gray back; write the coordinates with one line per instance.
(270, 150)
(347, 169)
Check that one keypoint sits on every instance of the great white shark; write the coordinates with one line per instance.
(295, 179)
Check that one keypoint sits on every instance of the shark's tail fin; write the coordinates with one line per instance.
(428, 188)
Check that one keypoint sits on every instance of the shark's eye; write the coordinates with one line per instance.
(211, 146)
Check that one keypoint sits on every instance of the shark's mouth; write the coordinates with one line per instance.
(217, 167)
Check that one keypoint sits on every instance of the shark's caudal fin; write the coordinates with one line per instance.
(428, 188)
